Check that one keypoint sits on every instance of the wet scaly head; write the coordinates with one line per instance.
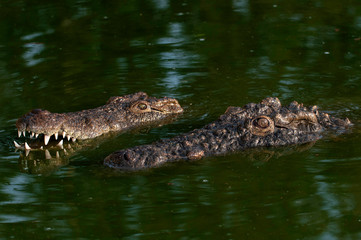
(118, 114)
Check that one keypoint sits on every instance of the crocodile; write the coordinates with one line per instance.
(266, 124)
(118, 114)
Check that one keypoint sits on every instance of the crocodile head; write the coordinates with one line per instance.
(271, 124)
(119, 113)
(265, 124)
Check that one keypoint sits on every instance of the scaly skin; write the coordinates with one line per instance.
(119, 113)
(255, 125)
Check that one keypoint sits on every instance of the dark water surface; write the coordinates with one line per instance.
(73, 55)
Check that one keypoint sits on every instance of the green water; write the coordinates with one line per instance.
(73, 55)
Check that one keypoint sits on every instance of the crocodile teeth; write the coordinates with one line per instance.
(68, 137)
(36, 135)
(73, 139)
(17, 145)
(47, 154)
(27, 147)
(56, 136)
(24, 133)
(64, 134)
(32, 134)
(60, 144)
(57, 154)
(46, 139)
(19, 133)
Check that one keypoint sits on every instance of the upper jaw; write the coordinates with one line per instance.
(57, 135)
(38, 123)
(62, 125)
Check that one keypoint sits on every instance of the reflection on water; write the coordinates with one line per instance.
(14, 192)
(175, 61)
(176, 36)
(210, 55)
(331, 206)
(263, 68)
(161, 4)
(178, 63)
(33, 49)
(241, 6)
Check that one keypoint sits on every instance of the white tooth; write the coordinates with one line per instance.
(24, 133)
(27, 147)
(73, 139)
(68, 137)
(60, 144)
(41, 148)
(36, 135)
(32, 134)
(56, 136)
(27, 151)
(17, 145)
(19, 133)
(47, 154)
(46, 139)
(57, 154)
(65, 152)
(64, 134)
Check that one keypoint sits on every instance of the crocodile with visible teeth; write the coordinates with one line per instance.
(255, 125)
(119, 113)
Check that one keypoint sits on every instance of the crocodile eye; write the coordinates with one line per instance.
(262, 126)
(262, 122)
(142, 106)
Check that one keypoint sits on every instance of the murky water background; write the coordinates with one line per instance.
(73, 55)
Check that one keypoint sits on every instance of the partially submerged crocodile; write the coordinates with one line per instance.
(119, 113)
(255, 125)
